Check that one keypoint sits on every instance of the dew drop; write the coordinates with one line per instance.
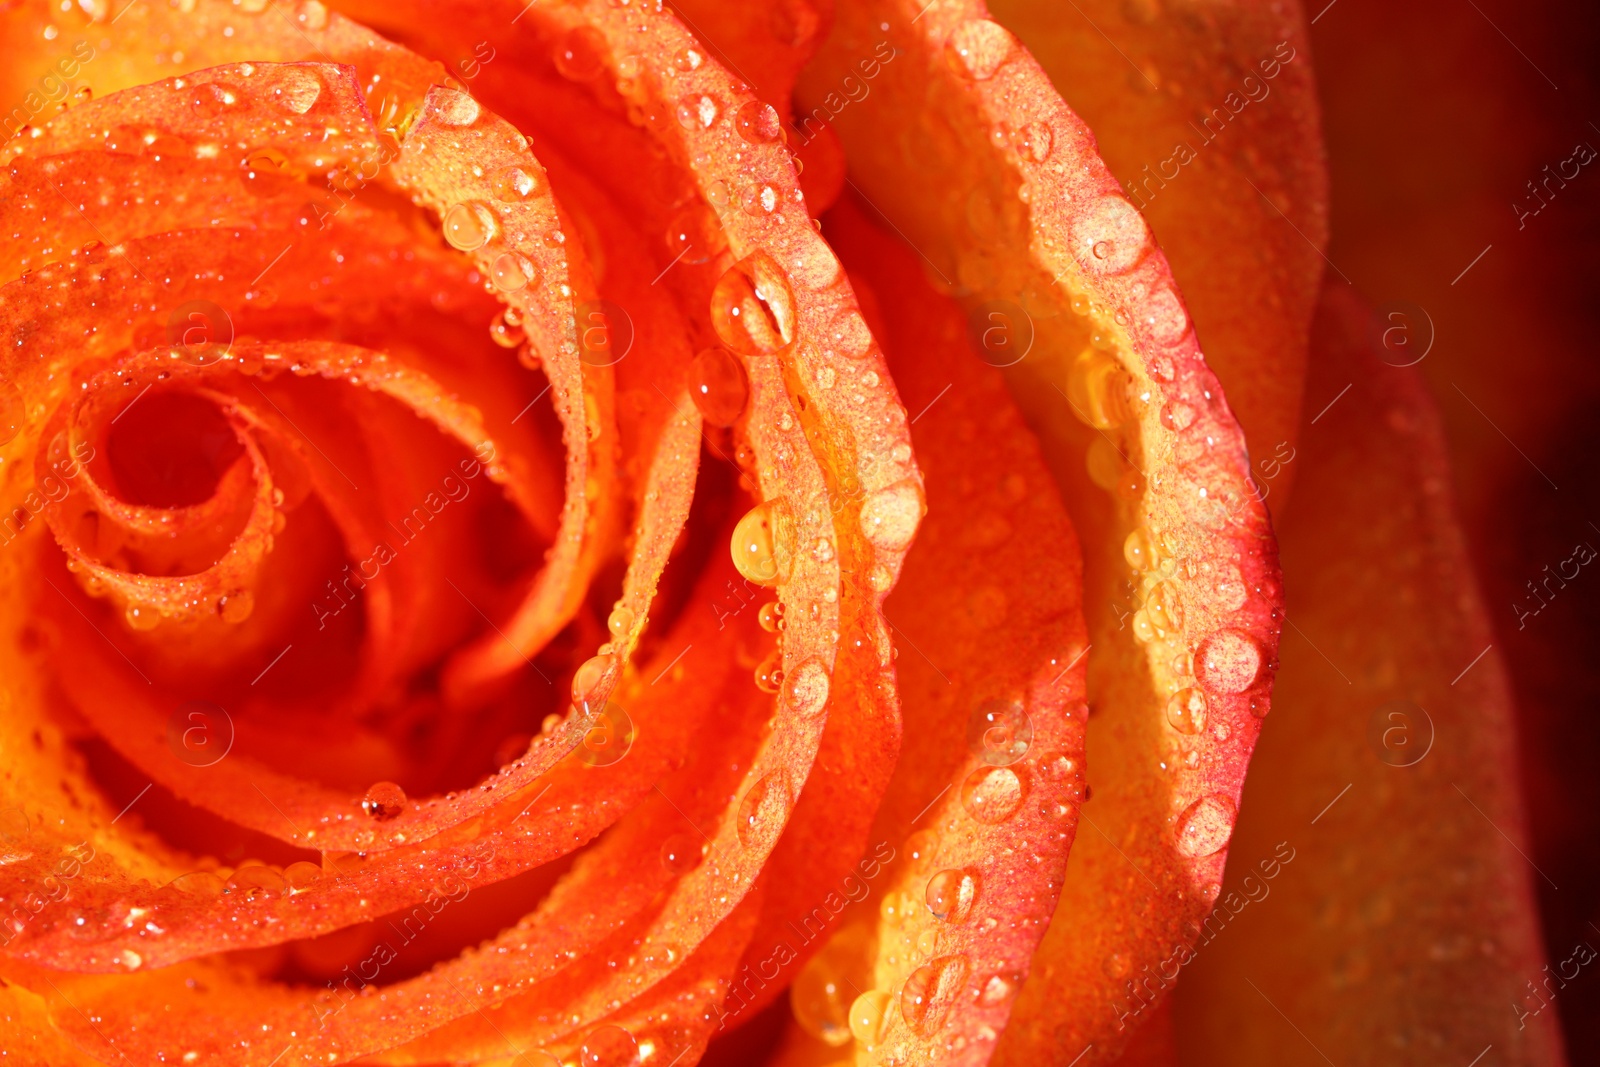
(1139, 549)
(511, 272)
(753, 307)
(757, 122)
(992, 794)
(762, 811)
(457, 108)
(255, 882)
(236, 607)
(931, 992)
(581, 54)
(754, 552)
(760, 198)
(1110, 236)
(1165, 317)
(468, 226)
(1177, 415)
(1186, 711)
(1227, 661)
(384, 801)
(503, 333)
(297, 89)
(620, 622)
(849, 334)
(515, 184)
(719, 386)
(869, 1017)
(587, 679)
(770, 616)
(680, 854)
(998, 989)
(890, 516)
(1206, 825)
(698, 111)
(694, 236)
(806, 690)
(951, 894)
(687, 59)
(979, 47)
(769, 674)
(999, 732)
(1163, 606)
(142, 617)
(1036, 141)
(301, 876)
(608, 1046)
(199, 884)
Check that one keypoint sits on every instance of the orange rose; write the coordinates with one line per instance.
(708, 639)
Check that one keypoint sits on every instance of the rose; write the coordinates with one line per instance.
(990, 598)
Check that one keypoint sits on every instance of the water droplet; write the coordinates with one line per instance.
(1206, 825)
(680, 854)
(698, 111)
(608, 1046)
(806, 690)
(688, 59)
(931, 992)
(12, 417)
(694, 235)
(236, 607)
(301, 875)
(503, 333)
(587, 679)
(769, 674)
(998, 989)
(821, 994)
(758, 123)
(890, 516)
(297, 88)
(753, 308)
(1177, 416)
(849, 335)
(512, 271)
(199, 884)
(951, 894)
(978, 47)
(992, 794)
(620, 622)
(1227, 661)
(754, 551)
(1036, 141)
(1098, 388)
(719, 386)
(468, 226)
(869, 1017)
(762, 811)
(516, 184)
(581, 54)
(760, 198)
(770, 616)
(255, 882)
(142, 617)
(384, 801)
(457, 108)
(1164, 607)
(1110, 237)
(999, 732)
(1186, 711)
(1165, 317)
(1139, 549)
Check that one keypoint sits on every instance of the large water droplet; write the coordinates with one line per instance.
(1227, 661)
(931, 992)
(236, 607)
(680, 853)
(754, 546)
(1206, 825)
(608, 1046)
(1139, 549)
(1110, 236)
(457, 108)
(978, 47)
(823, 989)
(951, 894)
(769, 673)
(468, 226)
(806, 690)
(301, 876)
(515, 184)
(752, 306)
(1186, 711)
(890, 516)
(999, 732)
(587, 679)
(512, 272)
(719, 386)
(255, 882)
(849, 334)
(581, 54)
(199, 884)
(297, 89)
(869, 1016)
(762, 811)
(992, 794)
(1165, 317)
(1164, 607)
(758, 123)
(698, 111)
(384, 801)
